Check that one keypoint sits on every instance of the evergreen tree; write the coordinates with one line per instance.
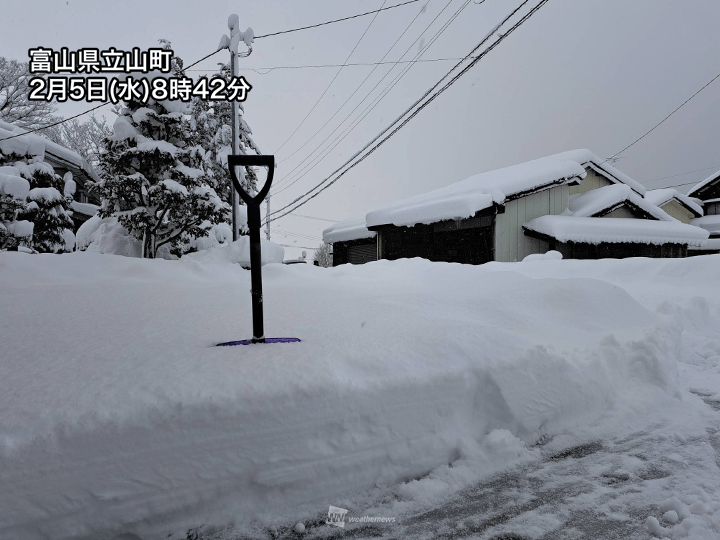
(49, 209)
(13, 201)
(34, 205)
(214, 127)
(154, 175)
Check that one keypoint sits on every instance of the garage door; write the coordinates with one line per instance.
(362, 253)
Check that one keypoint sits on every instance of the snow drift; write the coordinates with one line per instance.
(120, 415)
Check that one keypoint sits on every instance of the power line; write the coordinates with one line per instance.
(203, 58)
(331, 82)
(384, 93)
(357, 89)
(290, 180)
(338, 20)
(501, 38)
(681, 174)
(313, 217)
(267, 70)
(668, 116)
(299, 235)
(299, 247)
(54, 124)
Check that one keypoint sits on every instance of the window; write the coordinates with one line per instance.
(712, 209)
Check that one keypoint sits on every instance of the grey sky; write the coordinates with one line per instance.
(581, 73)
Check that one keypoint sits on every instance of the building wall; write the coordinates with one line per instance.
(621, 212)
(511, 244)
(592, 181)
(678, 211)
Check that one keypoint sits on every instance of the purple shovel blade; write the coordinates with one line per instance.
(267, 340)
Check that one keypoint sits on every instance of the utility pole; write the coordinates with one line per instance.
(267, 221)
(232, 43)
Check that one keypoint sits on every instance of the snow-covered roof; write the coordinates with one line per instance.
(34, 145)
(465, 198)
(699, 186)
(709, 223)
(86, 209)
(660, 197)
(592, 230)
(586, 158)
(713, 244)
(350, 229)
(595, 202)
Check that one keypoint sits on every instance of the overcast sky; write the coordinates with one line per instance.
(590, 74)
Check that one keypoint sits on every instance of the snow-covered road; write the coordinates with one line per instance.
(449, 397)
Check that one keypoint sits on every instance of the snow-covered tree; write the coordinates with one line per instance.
(13, 201)
(323, 255)
(49, 207)
(15, 107)
(155, 178)
(214, 121)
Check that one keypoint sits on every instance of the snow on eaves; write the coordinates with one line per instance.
(30, 144)
(693, 191)
(709, 223)
(586, 158)
(659, 197)
(465, 198)
(596, 201)
(350, 229)
(86, 209)
(591, 230)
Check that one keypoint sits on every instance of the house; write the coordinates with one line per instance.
(707, 193)
(573, 202)
(63, 160)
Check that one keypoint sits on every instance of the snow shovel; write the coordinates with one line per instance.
(253, 212)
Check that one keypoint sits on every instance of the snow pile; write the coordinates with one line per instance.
(239, 252)
(108, 236)
(592, 230)
(349, 229)
(121, 415)
(551, 255)
(659, 197)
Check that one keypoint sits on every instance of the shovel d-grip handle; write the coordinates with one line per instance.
(252, 161)
(253, 207)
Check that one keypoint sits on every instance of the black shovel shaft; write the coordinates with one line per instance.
(256, 274)
(253, 209)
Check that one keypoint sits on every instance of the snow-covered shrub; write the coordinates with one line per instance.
(13, 200)
(34, 207)
(48, 208)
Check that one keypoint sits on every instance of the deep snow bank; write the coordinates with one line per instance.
(120, 415)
